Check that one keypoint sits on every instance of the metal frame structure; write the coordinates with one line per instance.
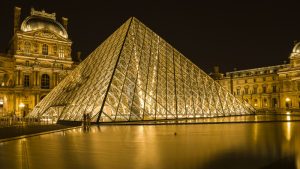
(135, 75)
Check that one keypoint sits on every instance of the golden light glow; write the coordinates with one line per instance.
(288, 131)
(21, 105)
(287, 99)
(164, 85)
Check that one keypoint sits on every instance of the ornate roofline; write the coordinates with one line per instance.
(43, 14)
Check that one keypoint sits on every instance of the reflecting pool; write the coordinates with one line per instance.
(207, 146)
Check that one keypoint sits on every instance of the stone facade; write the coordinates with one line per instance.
(272, 88)
(38, 58)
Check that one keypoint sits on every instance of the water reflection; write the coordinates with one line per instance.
(250, 145)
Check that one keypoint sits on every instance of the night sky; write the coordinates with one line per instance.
(231, 34)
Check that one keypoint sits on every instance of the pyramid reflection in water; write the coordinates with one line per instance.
(135, 75)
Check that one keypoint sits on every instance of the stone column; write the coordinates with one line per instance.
(17, 77)
(38, 81)
(37, 99)
(34, 78)
(52, 80)
(21, 78)
(56, 79)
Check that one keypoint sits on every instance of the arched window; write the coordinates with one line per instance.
(255, 102)
(274, 102)
(45, 49)
(265, 102)
(45, 81)
(27, 47)
(61, 52)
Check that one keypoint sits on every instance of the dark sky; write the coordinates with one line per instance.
(241, 34)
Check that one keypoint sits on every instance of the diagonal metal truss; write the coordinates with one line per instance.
(135, 75)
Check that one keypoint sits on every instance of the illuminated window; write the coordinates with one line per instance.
(26, 81)
(27, 47)
(255, 102)
(45, 81)
(61, 53)
(45, 49)
(265, 102)
(274, 102)
(238, 91)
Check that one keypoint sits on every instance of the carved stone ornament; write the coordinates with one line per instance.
(46, 35)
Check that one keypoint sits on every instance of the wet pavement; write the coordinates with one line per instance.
(220, 145)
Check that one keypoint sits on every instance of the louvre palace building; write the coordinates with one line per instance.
(37, 59)
(272, 88)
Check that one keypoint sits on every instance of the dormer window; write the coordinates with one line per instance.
(45, 49)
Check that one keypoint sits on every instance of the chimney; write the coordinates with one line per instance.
(216, 69)
(65, 22)
(17, 13)
(79, 56)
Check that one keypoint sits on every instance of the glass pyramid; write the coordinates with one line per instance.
(135, 75)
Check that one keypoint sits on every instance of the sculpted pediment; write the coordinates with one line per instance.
(45, 34)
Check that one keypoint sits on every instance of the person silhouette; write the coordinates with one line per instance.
(88, 118)
(84, 119)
